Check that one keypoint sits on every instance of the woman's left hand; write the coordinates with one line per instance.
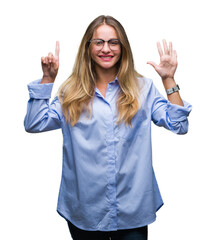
(168, 61)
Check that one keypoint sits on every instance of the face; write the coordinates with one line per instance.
(106, 57)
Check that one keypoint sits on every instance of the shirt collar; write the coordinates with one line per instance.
(115, 81)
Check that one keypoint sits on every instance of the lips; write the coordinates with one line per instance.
(106, 57)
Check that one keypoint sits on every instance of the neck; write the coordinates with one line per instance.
(105, 76)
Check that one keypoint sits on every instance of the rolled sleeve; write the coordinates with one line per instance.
(40, 91)
(178, 113)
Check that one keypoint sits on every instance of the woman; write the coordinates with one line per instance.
(105, 108)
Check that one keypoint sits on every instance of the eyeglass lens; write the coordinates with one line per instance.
(99, 43)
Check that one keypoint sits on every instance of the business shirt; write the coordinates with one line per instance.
(108, 181)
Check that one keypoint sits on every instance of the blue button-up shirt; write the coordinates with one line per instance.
(108, 181)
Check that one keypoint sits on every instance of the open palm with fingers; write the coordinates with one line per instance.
(168, 61)
(50, 65)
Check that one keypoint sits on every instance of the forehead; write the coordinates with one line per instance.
(105, 32)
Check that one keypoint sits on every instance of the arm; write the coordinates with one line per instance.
(171, 116)
(42, 116)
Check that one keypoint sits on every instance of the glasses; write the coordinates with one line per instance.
(99, 43)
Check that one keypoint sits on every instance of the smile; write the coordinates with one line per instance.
(106, 57)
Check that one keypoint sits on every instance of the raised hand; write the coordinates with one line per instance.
(50, 66)
(168, 61)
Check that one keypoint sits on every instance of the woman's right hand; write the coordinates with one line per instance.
(50, 66)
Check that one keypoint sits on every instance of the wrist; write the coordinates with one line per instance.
(168, 82)
(168, 79)
(47, 79)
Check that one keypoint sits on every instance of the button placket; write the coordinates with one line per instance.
(111, 172)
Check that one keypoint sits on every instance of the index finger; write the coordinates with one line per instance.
(160, 51)
(57, 49)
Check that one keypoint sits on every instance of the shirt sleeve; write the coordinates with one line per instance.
(42, 116)
(171, 116)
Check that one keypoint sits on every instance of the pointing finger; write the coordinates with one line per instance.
(57, 49)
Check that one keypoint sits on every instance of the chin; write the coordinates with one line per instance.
(106, 65)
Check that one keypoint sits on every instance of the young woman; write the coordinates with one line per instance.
(105, 108)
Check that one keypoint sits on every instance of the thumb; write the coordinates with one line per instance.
(153, 64)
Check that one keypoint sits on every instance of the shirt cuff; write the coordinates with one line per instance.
(177, 112)
(40, 91)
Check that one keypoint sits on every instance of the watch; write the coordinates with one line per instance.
(172, 90)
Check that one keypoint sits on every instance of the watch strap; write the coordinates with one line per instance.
(173, 89)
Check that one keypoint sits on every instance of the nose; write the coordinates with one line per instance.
(106, 47)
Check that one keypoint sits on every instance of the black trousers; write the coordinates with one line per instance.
(128, 234)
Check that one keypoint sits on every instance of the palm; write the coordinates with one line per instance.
(168, 61)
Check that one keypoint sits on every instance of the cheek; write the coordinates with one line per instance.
(93, 53)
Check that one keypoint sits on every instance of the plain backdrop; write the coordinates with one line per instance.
(30, 164)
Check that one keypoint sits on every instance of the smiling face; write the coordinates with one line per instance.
(105, 58)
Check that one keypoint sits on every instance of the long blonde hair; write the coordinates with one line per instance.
(77, 92)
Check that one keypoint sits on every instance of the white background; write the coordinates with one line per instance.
(30, 164)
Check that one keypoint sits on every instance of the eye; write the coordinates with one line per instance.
(113, 42)
(99, 42)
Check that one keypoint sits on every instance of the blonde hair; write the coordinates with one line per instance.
(77, 92)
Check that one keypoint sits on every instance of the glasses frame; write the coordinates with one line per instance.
(108, 41)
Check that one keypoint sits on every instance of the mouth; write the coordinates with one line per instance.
(106, 57)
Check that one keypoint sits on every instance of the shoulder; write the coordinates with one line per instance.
(145, 84)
